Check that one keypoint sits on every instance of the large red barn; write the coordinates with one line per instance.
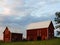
(9, 36)
(40, 31)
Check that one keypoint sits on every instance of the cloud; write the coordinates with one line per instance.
(5, 11)
(22, 8)
(40, 8)
(12, 8)
(19, 13)
(8, 7)
(25, 7)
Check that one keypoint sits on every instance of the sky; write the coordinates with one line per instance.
(19, 13)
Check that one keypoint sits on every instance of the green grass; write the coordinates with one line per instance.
(45, 42)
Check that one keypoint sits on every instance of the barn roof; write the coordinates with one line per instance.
(13, 30)
(36, 25)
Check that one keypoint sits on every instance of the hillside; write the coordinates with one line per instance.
(45, 42)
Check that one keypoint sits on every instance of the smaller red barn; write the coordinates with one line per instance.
(40, 30)
(10, 35)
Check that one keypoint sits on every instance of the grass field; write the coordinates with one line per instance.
(45, 42)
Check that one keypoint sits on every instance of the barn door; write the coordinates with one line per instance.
(38, 37)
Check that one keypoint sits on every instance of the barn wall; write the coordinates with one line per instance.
(31, 34)
(6, 36)
(9, 37)
(35, 34)
(43, 33)
(51, 31)
(16, 37)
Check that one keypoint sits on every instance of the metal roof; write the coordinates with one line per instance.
(12, 30)
(36, 25)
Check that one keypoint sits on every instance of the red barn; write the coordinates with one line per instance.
(40, 31)
(9, 36)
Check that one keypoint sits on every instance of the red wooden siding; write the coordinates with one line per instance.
(31, 34)
(16, 37)
(35, 33)
(9, 36)
(51, 31)
(41, 34)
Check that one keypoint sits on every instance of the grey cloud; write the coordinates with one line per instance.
(24, 21)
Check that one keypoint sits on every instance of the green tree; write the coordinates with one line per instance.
(57, 19)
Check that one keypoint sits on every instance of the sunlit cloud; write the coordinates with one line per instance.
(5, 11)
